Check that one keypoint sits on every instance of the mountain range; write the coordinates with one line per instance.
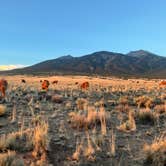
(139, 63)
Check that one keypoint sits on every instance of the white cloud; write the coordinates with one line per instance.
(10, 67)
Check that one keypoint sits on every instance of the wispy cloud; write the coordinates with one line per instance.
(10, 67)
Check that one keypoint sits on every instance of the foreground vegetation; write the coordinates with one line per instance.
(113, 122)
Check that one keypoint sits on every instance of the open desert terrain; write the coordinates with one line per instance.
(110, 122)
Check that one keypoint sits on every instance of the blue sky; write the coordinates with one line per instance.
(35, 30)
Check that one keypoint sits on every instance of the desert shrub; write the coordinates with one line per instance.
(147, 116)
(144, 101)
(16, 141)
(156, 152)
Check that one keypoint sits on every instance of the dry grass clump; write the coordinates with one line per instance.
(102, 116)
(129, 125)
(156, 152)
(144, 101)
(84, 119)
(28, 140)
(77, 153)
(161, 109)
(2, 109)
(89, 149)
(81, 103)
(77, 120)
(10, 159)
(92, 116)
(89, 118)
(40, 141)
(147, 116)
(84, 148)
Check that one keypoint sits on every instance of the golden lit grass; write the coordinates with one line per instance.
(89, 150)
(84, 148)
(112, 143)
(156, 152)
(95, 139)
(35, 140)
(77, 153)
(64, 81)
(37, 120)
(2, 109)
(10, 159)
(129, 125)
(77, 120)
(102, 117)
(161, 109)
(92, 116)
(14, 114)
(89, 119)
(147, 116)
(81, 103)
(144, 101)
(40, 141)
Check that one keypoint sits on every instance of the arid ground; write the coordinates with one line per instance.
(114, 122)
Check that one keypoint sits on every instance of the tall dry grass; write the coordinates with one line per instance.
(156, 152)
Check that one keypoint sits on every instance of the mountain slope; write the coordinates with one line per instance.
(134, 64)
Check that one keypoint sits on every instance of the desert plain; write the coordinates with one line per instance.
(113, 122)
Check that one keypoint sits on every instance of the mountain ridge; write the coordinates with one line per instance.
(138, 63)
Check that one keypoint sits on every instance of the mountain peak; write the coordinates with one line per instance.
(65, 57)
(140, 53)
